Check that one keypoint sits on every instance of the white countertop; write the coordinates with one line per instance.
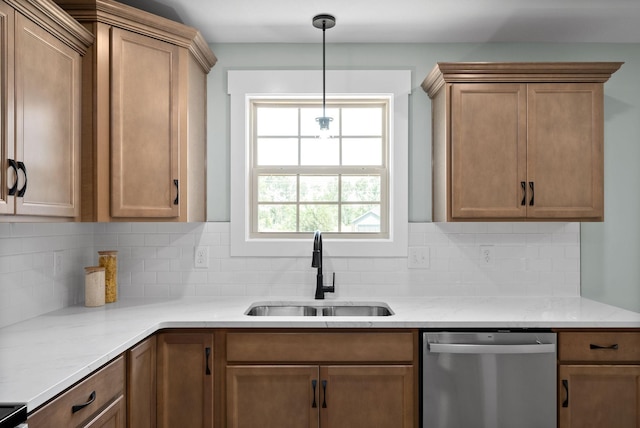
(43, 356)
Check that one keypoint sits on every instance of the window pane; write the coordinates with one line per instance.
(362, 151)
(277, 121)
(318, 217)
(317, 151)
(365, 188)
(277, 188)
(318, 188)
(310, 127)
(276, 218)
(362, 121)
(277, 151)
(361, 218)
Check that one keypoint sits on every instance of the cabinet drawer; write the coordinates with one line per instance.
(599, 346)
(107, 384)
(325, 347)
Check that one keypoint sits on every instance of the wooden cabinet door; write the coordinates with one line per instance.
(565, 150)
(599, 396)
(273, 396)
(141, 384)
(144, 126)
(47, 103)
(8, 176)
(113, 416)
(488, 150)
(367, 396)
(185, 380)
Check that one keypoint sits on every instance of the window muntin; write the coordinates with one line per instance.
(300, 183)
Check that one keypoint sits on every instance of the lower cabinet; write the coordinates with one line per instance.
(295, 378)
(111, 417)
(314, 396)
(322, 380)
(599, 379)
(97, 401)
(367, 396)
(185, 379)
(599, 396)
(141, 384)
(273, 396)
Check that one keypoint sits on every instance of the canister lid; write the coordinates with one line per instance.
(108, 253)
(91, 269)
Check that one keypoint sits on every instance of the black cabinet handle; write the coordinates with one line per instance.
(207, 354)
(21, 192)
(565, 384)
(532, 193)
(523, 185)
(177, 199)
(13, 165)
(78, 407)
(313, 385)
(324, 394)
(613, 347)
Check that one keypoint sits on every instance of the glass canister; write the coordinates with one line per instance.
(109, 261)
(94, 294)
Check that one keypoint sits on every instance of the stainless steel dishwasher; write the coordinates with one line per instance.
(500, 379)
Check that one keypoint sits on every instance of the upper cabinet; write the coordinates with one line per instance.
(518, 141)
(144, 140)
(40, 73)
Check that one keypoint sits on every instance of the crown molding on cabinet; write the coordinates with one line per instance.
(56, 21)
(117, 14)
(459, 72)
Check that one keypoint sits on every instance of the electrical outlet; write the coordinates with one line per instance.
(486, 255)
(57, 263)
(419, 258)
(201, 259)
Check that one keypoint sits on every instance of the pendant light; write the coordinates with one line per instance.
(324, 22)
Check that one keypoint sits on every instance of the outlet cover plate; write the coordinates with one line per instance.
(419, 258)
(201, 257)
(487, 256)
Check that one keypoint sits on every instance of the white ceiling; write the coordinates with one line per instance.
(406, 21)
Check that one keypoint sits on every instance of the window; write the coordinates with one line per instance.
(300, 182)
(286, 182)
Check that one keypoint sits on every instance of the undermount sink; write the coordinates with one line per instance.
(328, 309)
(281, 311)
(357, 311)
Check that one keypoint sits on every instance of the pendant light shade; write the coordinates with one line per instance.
(324, 22)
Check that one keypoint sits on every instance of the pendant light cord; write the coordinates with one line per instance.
(323, 22)
(324, 79)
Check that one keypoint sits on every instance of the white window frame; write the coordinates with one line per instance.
(381, 170)
(243, 85)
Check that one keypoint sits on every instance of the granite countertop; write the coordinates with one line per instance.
(42, 356)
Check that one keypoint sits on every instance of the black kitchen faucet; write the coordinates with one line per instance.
(316, 262)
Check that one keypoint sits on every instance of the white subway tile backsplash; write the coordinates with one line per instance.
(150, 228)
(124, 228)
(157, 265)
(156, 290)
(131, 240)
(157, 259)
(29, 286)
(143, 278)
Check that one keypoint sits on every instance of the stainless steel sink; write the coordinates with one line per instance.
(326, 309)
(357, 311)
(282, 311)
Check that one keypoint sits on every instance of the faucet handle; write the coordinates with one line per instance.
(332, 287)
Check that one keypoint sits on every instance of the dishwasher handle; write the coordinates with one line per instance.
(467, 348)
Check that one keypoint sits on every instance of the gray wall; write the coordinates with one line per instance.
(610, 253)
